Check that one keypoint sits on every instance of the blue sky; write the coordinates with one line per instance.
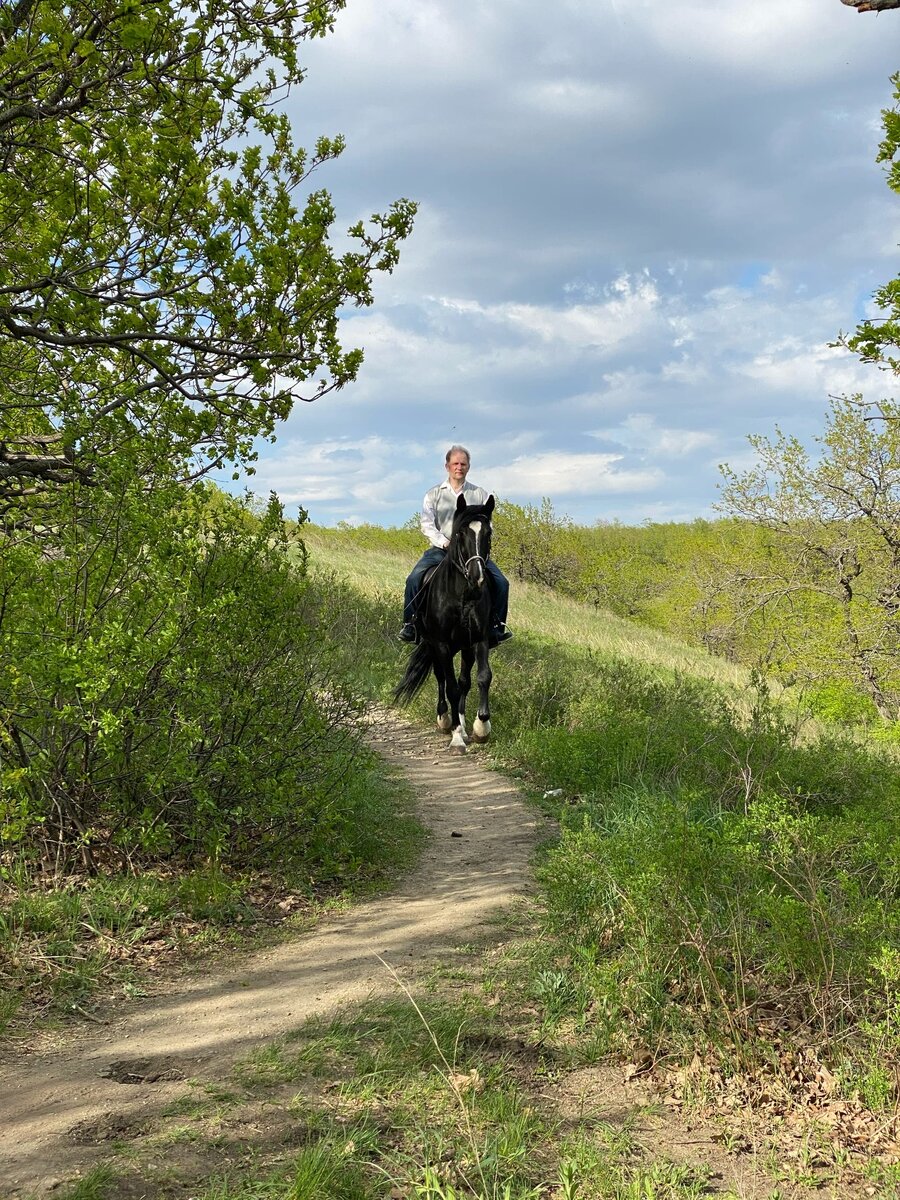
(640, 224)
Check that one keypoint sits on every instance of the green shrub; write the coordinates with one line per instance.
(839, 703)
(679, 918)
(171, 688)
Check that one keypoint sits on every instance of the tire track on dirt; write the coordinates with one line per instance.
(475, 864)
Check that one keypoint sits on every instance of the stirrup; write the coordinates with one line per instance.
(407, 632)
(499, 634)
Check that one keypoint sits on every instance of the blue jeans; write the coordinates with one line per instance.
(431, 557)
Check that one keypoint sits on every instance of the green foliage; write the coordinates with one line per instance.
(97, 1184)
(169, 691)
(837, 702)
(876, 341)
(708, 858)
(56, 945)
(176, 719)
(327, 1170)
(685, 917)
(460, 1123)
(831, 584)
(537, 544)
(165, 288)
(407, 540)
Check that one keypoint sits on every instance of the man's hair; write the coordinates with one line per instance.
(453, 450)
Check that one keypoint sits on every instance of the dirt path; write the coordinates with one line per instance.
(59, 1108)
(474, 866)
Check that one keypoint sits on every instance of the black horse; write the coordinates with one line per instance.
(454, 617)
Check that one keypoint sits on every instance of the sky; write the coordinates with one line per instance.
(640, 225)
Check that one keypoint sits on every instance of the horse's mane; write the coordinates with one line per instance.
(470, 513)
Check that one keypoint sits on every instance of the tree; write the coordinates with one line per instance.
(835, 583)
(878, 340)
(871, 5)
(537, 544)
(162, 290)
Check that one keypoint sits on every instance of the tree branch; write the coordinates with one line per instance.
(871, 5)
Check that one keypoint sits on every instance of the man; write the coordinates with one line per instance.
(438, 510)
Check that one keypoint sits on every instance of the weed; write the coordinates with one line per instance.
(328, 1170)
(556, 992)
(96, 1185)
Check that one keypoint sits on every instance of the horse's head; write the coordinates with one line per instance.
(470, 541)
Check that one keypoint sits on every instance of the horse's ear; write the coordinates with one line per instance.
(490, 504)
(461, 503)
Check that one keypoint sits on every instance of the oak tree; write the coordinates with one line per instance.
(834, 583)
(168, 284)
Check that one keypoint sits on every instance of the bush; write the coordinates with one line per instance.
(709, 860)
(170, 691)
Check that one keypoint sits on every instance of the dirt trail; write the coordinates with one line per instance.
(115, 1078)
(475, 865)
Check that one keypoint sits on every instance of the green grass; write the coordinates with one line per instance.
(434, 1099)
(96, 1185)
(380, 574)
(63, 941)
(718, 850)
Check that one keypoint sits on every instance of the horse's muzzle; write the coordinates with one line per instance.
(475, 570)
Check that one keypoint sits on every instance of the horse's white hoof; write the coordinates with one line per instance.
(481, 730)
(454, 749)
(443, 723)
(457, 744)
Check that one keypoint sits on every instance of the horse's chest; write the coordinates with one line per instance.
(473, 612)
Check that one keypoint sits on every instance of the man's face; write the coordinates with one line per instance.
(458, 467)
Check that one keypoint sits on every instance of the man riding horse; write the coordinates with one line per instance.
(438, 511)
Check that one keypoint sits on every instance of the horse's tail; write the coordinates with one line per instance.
(418, 669)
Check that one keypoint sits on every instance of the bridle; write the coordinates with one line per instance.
(463, 565)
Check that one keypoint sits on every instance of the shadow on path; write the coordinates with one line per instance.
(132, 1067)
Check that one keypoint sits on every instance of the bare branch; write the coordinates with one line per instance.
(871, 5)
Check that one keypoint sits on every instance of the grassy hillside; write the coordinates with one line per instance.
(724, 889)
(534, 610)
(720, 910)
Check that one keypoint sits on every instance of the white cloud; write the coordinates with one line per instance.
(640, 431)
(638, 218)
(789, 43)
(568, 474)
(343, 472)
(630, 305)
(792, 366)
(585, 99)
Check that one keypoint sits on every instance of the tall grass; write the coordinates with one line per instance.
(720, 857)
(377, 567)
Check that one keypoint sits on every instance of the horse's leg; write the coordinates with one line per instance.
(467, 657)
(481, 730)
(443, 717)
(444, 655)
